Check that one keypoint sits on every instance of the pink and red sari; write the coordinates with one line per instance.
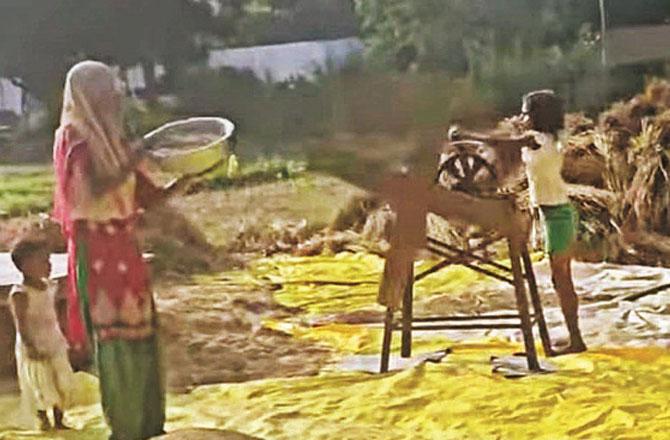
(110, 305)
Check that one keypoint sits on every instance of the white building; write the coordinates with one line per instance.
(12, 98)
(636, 44)
(136, 77)
(281, 62)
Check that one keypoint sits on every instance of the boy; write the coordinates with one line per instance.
(542, 111)
(44, 372)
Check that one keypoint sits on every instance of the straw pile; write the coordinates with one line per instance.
(633, 138)
(618, 170)
(583, 162)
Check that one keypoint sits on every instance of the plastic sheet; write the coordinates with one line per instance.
(349, 282)
(616, 393)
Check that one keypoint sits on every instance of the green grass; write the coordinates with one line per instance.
(25, 190)
(255, 172)
(29, 189)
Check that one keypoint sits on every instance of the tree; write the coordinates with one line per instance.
(314, 20)
(282, 5)
(40, 39)
(427, 34)
(259, 22)
(442, 34)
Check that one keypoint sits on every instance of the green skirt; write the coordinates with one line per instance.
(131, 388)
(560, 227)
(130, 372)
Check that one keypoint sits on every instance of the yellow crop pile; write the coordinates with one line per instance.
(604, 394)
(349, 282)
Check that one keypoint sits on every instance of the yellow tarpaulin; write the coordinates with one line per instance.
(354, 339)
(349, 282)
(342, 283)
(603, 394)
(608, 394)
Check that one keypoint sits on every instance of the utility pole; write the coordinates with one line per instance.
(604, 87)
(603, 30)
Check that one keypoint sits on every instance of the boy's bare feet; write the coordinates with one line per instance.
(569, 348)
(45, 424)
(58, 419)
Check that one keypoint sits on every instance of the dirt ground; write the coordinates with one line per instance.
(213, 334)
(264, 211)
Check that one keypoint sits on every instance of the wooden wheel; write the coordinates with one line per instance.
(463, 168)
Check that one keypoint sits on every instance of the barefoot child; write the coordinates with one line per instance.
(540, 151)
(44, 372)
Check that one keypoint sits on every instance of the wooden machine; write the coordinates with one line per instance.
(463, 192)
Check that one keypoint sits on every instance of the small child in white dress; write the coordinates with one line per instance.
(44, 371)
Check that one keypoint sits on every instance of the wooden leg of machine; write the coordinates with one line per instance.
(386, 341)
(407, 315)
(537, 303)
(522, 305)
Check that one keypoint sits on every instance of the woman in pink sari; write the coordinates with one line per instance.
(111, 308)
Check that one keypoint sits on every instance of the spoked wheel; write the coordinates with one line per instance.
(465, 169)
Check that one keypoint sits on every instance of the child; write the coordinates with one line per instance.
(45, 374)
(540, 146)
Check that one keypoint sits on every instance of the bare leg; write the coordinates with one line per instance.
(562, 279)
(45, 424)
(58, 419)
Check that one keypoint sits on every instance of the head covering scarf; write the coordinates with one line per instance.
(92, 102)
(92, 116)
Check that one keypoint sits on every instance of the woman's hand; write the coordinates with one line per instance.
(177, 186)
(137, 156)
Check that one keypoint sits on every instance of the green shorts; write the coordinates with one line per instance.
(560, 227)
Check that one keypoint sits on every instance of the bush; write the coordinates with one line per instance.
(142, 117)
(262, 111)
(356, 101)
(576, 74)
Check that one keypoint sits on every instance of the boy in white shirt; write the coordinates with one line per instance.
(540, 148)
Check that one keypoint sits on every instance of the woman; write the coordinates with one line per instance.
(111, 308)
(541, 153)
